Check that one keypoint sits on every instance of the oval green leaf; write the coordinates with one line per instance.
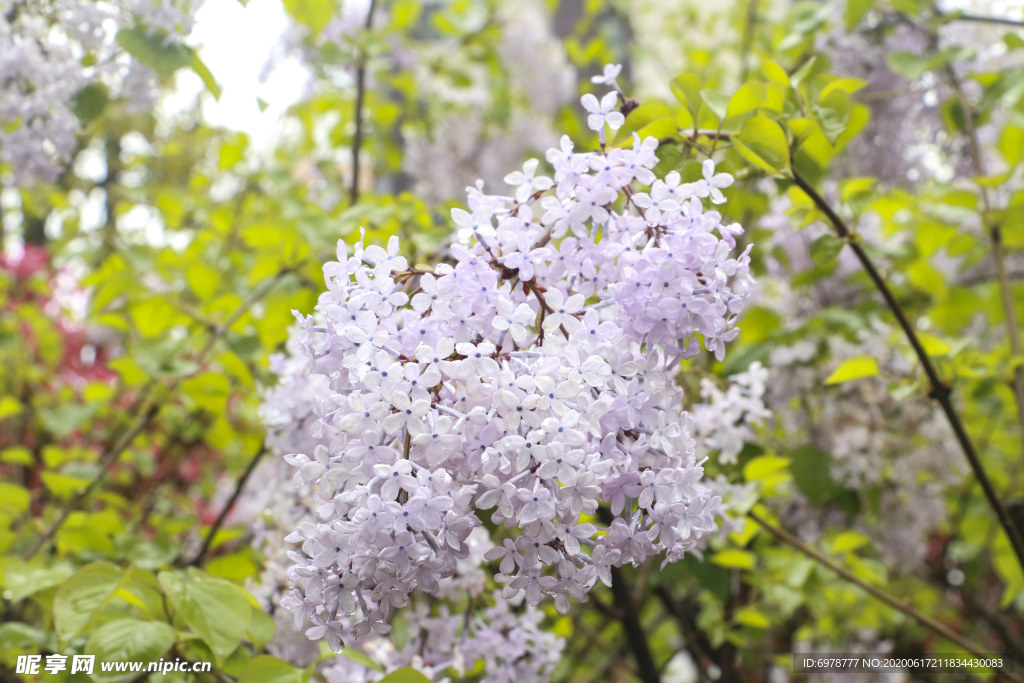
(763, 143)
(850, 369)
(128, 640)
(82, 596)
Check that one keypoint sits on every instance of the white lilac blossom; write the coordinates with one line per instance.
(531, 378)
(43, 66)
(724, 421)
(509, 642)
(899, 449)
(894, 452)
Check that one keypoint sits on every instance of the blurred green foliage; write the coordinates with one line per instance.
(121, 424)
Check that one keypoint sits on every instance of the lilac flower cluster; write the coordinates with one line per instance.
(509, 643)
(532, 376)
(49, 52)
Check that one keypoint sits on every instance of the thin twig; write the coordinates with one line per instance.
(939, 390)
(747, 43)
(105, 462)
(987, 20)
(151, 408)
(995, 234)
(912, 612)
(208, 541)
(357, 138)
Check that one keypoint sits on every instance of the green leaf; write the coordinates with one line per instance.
(1008, 569)
(127, 640)
(82, 596)
(717, 102)
(907, 64)
(855, 11)
(1011, 143)
(209, 390)
(803, 72)
(315, 14)
(15, 455)
(773, 72)
(151, 51)
(764, 467)
(734, 559)
(912, 66)
(232, 150)
(812, 472)
(405, 675)
(262, 628)
(849, 540)
(833, 114)
(850, 369)
(217, 610)
(267, 669)
(686, 88)
(204, 73)
(16, 635)
(9, 406)
(826, 248)
(235, 567)
(405, 13)
(927, 278)
(642, 116)
(852, 187)
(759, 323)
(933, 346)
(860, 116)
(847, 85)
(130, 372)
(66, 418)
(747, 98)
(203, 280)
(749, 616)
(14, 499)
(90, 102)
(62, 485)
(763, 143)
(662, 128)
(153, 316)
(24, 579)
(711, 577)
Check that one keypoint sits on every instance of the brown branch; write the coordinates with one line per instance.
(907, 609)
(696, 640)
(986, 20)
(940, 391)
(357, 138)
(647, 670)
(239, 486)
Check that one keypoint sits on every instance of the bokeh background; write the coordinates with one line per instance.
(175, 174)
